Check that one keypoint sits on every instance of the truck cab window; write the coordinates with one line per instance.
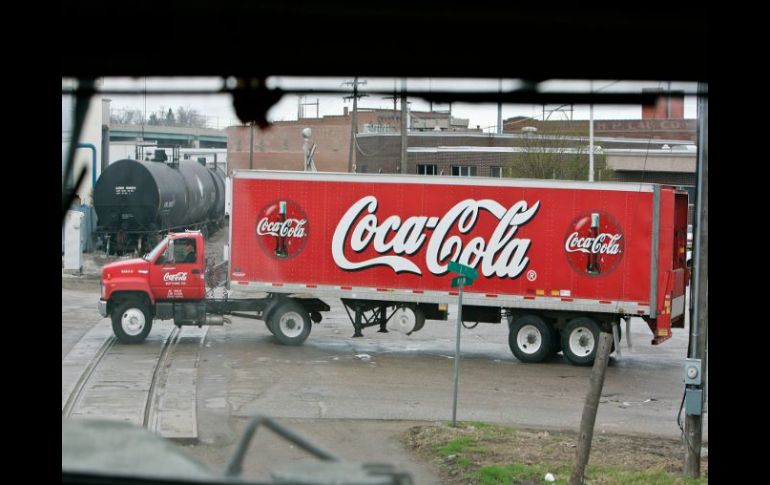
(167, 257)
(184, 251)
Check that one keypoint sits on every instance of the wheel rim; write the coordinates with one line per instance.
(403, 320)
(291, 324)
(581, 341)
(132, 321)
(529, 339)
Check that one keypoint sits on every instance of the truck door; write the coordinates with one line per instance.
(177, 273)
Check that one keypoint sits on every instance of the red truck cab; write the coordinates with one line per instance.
(173, 271)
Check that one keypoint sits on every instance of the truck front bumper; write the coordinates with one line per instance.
(102, 307)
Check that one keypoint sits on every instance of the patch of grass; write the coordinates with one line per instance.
(456, 446)
(611, 475)
(492, 454)
(479, 424)
(518, 473)
(464, 462)
(505, 474)
(495, 474)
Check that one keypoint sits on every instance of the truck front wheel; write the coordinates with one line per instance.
(530, 338)
(579, 340)
(131, 322)
(290, 324)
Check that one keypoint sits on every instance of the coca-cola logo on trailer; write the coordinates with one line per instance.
(282, 229)
(594, 243)
(397, 241)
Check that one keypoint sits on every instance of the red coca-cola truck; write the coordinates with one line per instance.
(556, 260)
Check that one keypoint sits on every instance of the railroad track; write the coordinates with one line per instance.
(151, 385)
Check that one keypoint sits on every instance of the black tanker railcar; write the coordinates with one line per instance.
(137, 202)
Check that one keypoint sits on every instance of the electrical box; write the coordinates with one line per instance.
(693, 402)
(73, 242)
(692, 372)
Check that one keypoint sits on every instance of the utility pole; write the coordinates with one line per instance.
(354, 124)
(500, 108)
(395, 101)
(591, 407)
(591, 140)
(697, 362)
(251, 147)
(404, 128)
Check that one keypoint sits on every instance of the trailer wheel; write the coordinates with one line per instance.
(580, 339)
(290, 323)
(419, 315)
(530, 338)
(131, 321)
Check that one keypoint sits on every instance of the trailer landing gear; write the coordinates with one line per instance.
(369, 313)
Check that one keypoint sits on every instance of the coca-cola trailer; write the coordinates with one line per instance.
(558, 260)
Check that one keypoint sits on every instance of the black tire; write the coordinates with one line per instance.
(530, 338)
(290, 323)
(419, 319)
(580, 339)
(131, 321)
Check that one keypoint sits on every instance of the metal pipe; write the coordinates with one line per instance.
(93, 163)
(456, 373)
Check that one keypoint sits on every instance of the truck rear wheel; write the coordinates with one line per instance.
(530, 338)
(131, 321)
(290, 323)
(580, 339)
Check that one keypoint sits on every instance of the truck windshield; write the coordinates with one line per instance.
(156, 250)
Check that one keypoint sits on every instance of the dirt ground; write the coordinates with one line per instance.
(460, 453)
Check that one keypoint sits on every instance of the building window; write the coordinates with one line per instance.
(463, 170)
(363, 169)
(424, 169)
(499, 172)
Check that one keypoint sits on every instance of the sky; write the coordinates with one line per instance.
(218, 108)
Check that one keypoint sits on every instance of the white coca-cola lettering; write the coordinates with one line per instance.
(501, 255)
(287, 228)
(604, 243)
(181, 276)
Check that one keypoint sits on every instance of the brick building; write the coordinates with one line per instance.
(280, 146)
(658, 148)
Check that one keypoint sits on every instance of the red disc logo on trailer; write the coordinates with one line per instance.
(594, 243)
(282, 229)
